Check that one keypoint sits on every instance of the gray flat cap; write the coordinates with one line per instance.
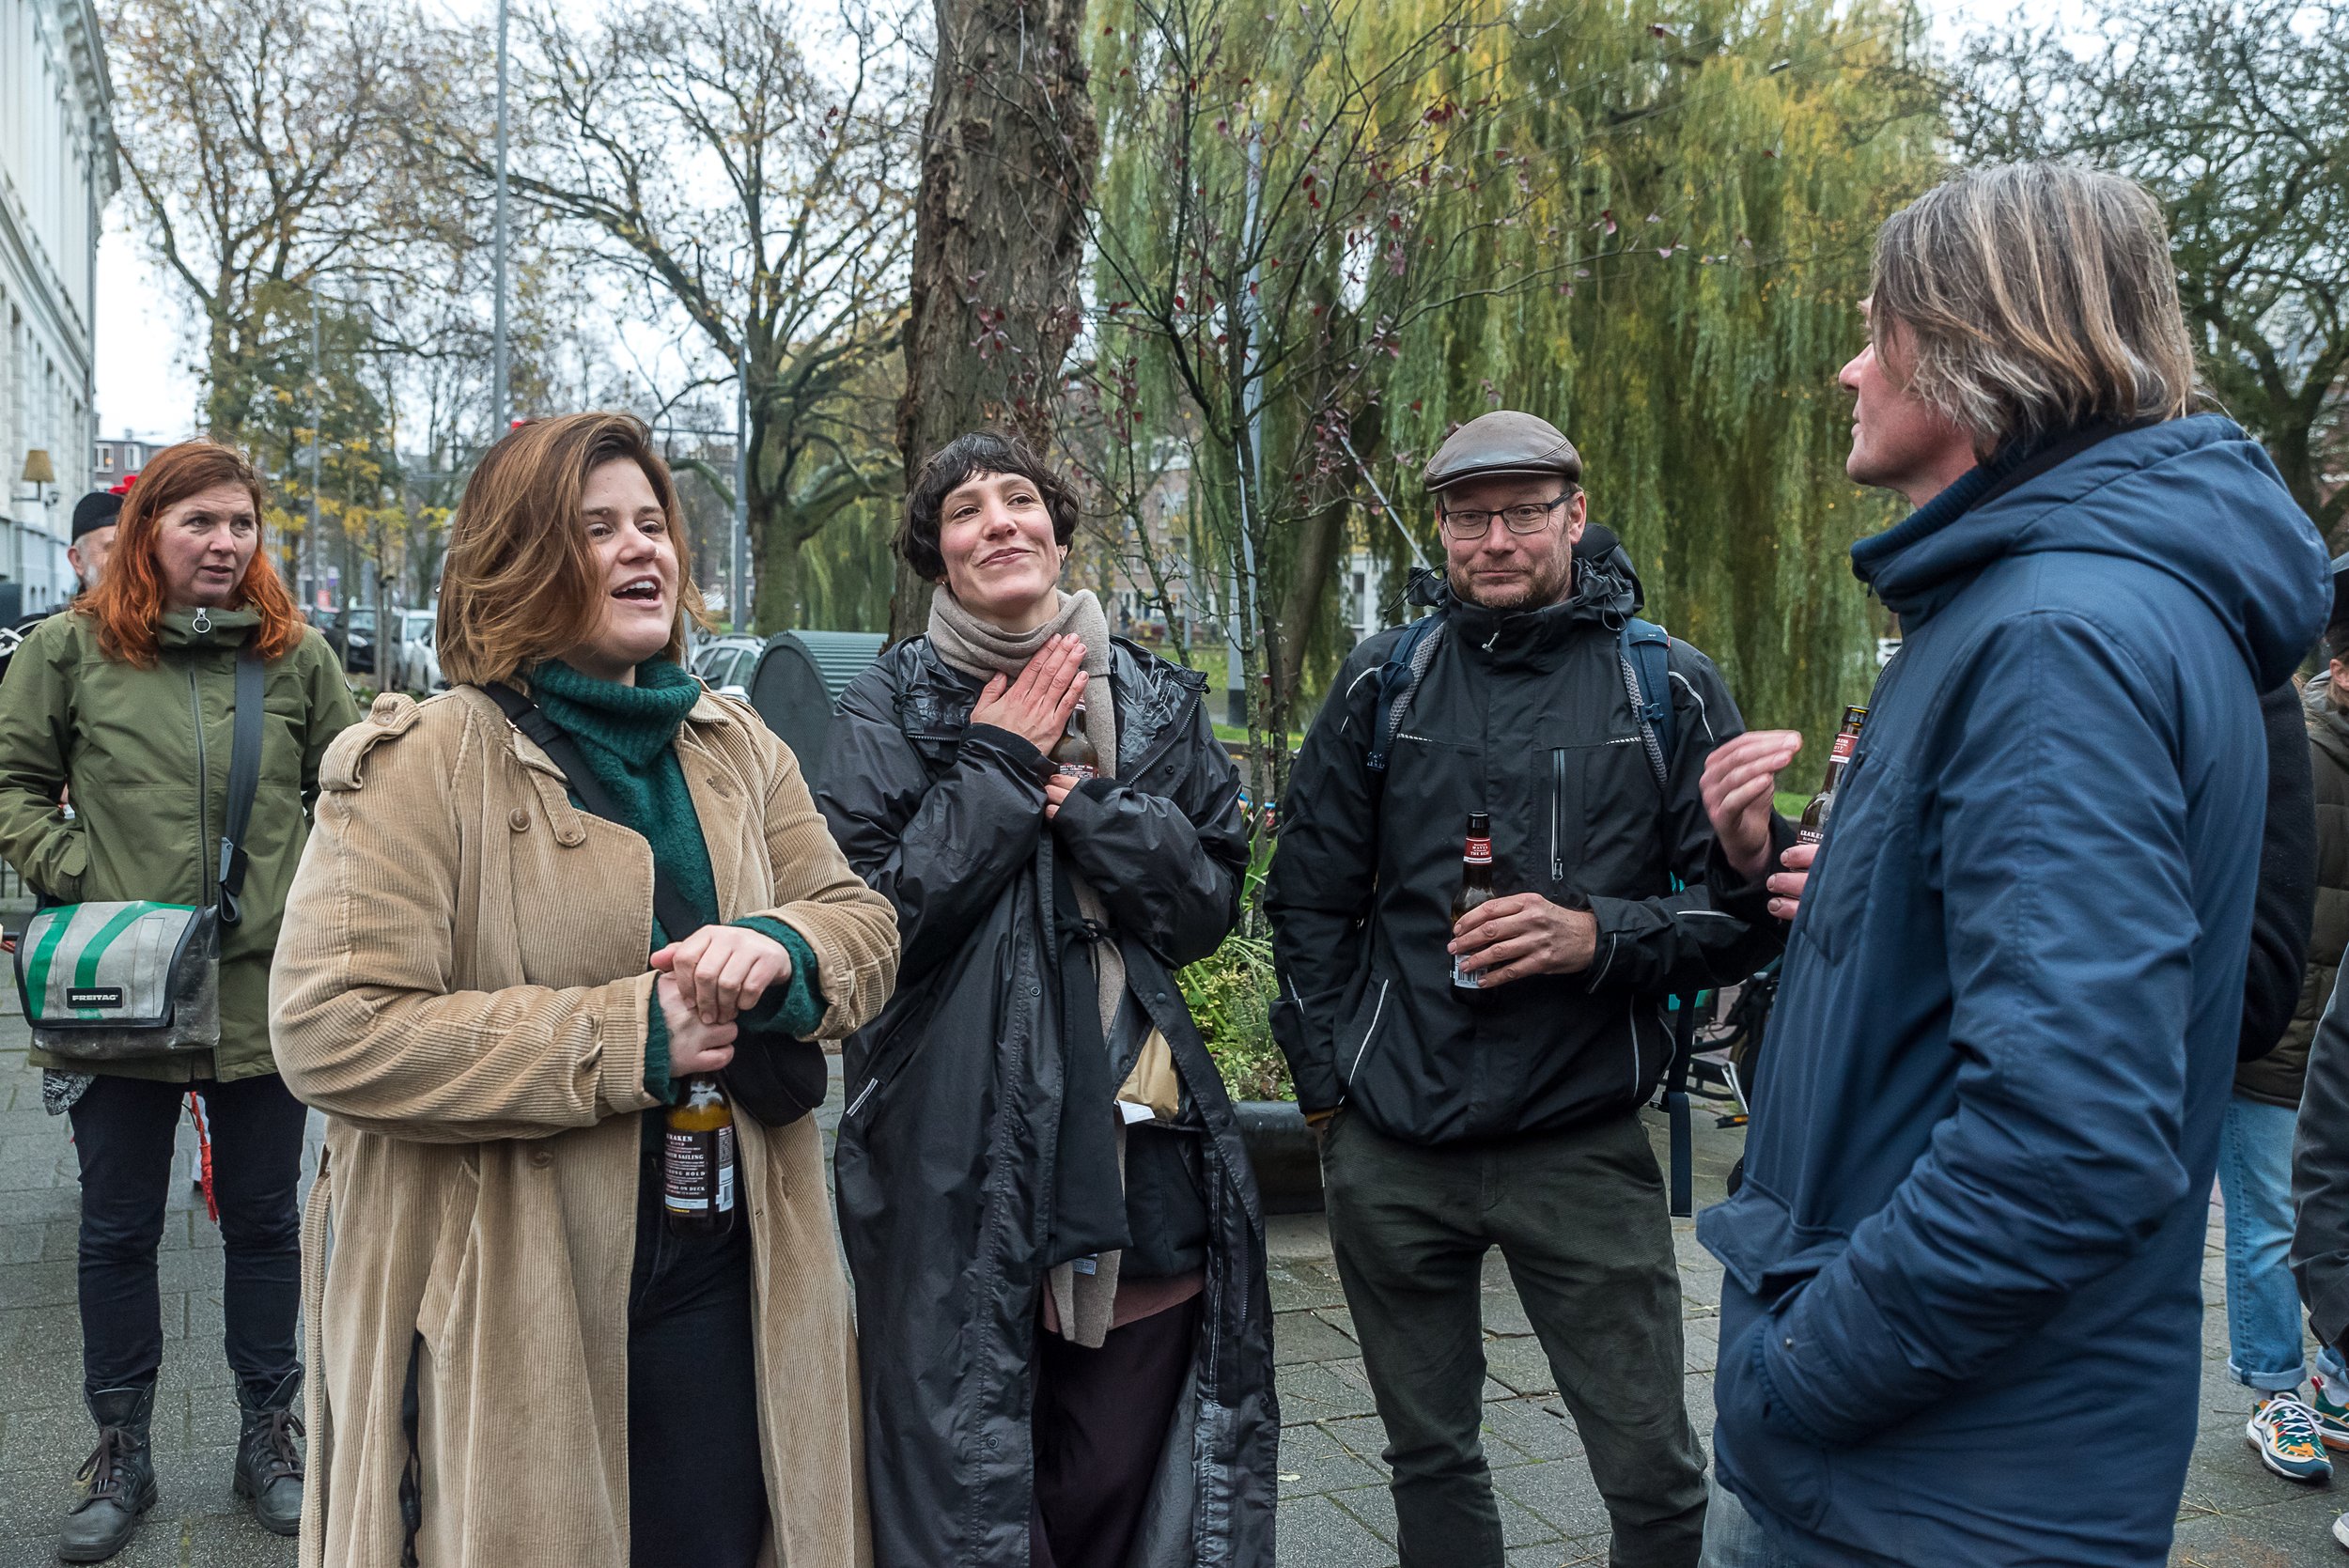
(1504, 442)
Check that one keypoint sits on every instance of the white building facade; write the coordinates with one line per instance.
(58, 169)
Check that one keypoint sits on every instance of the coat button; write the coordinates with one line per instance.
(541, 1157)
(518, 819)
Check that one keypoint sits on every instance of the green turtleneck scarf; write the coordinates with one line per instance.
(627, 735)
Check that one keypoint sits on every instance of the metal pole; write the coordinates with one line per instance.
(738, 577)
(500, 398)
(318, 435)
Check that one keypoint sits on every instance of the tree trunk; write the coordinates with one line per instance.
(775, 601)
(1317, 544)
(1007, 159)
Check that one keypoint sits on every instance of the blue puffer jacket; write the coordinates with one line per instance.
(1962, 1323)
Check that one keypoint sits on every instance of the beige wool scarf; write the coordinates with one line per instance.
(1084, 1303)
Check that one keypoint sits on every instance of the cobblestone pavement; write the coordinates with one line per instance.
(1334, 1511)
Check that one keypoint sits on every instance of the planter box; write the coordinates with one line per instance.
(1281, 1148)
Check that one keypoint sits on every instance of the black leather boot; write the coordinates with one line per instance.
(121, 1476)
(268, 1467)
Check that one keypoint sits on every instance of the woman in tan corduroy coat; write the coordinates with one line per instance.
(463, 988)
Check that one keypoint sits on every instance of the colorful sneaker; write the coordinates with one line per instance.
(2330, 1401)
(2283, 1430)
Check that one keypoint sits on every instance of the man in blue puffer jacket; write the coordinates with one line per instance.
(1965, 1259)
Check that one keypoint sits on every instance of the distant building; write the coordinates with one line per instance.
(118, 456)
(57, 172)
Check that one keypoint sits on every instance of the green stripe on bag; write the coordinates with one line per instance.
(85, 973)
(37, 972)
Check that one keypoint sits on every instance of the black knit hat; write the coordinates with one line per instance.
(98, 509)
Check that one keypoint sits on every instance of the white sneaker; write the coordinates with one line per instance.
(2340, 1531)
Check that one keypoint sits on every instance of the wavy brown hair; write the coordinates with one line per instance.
(2035, 298)
(519, 585)
(127, 606)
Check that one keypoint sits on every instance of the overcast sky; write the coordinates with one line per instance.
(145, 341)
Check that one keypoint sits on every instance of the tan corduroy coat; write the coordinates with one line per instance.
(444, 991)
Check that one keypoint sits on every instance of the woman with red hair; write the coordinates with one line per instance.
(125, 707)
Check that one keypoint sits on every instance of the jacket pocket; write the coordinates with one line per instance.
(455, 1269)
(1354, 1041)
(1787, 1476)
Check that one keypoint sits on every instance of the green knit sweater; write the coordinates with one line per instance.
(627, 735)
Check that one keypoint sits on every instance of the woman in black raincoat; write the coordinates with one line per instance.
(1062, 1307)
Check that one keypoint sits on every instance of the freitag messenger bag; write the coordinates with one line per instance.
(136, 980)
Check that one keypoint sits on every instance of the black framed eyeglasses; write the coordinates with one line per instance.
(1526, 518)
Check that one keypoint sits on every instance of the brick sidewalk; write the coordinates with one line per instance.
(1335, 1512)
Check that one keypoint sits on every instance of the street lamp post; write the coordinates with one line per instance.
(500, 398)
(738, 577)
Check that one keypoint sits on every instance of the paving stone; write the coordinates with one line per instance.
(1519, 1366)
(1321, 1390)
(1316, 1530)
(1561, 1492)
(1312, 1459)
(1304, 1337)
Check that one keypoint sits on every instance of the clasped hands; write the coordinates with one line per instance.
(1036, 706)
(706, 981)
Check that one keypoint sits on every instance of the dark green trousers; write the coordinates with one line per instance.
(1581, 1219)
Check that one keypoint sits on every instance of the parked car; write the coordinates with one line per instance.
(414, 664)
(727, 662)
(357, 639)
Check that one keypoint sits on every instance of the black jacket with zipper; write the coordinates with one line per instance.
(1524, 716)
(960, 1164)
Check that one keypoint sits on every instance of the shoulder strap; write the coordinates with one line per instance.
(1398, 682)
(244, 780)
(1645, 649)
(676, 917)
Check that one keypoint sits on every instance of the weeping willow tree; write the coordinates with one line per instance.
(1706, 185)
(1332, 232)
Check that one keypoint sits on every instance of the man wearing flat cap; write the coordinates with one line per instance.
(1477, 1084)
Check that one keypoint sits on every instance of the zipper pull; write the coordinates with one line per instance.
(203, 621)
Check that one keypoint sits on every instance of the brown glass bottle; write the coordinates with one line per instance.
(1073, 752)
(1814, 815)
(1476, 885)
(698, 1160)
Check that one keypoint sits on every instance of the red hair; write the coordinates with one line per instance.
(128, 604)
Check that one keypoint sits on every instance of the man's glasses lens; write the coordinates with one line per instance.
(1527, 518)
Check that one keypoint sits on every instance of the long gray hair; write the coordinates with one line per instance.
(2030, 298)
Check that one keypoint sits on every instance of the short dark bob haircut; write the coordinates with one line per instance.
(955, 465)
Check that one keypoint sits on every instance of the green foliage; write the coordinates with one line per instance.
(1230, 996)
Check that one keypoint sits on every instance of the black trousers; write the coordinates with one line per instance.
(122, 1132)
(696, 1490)
(1581, 1219)
(1099, 1424)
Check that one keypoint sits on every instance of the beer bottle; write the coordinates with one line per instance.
(698, 1160)
(1073, 752)
(1476, 886)
(1814, 815)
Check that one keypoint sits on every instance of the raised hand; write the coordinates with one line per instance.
(1036, 706)
(1740, 781)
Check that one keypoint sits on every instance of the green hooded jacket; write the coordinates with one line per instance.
(128, 741)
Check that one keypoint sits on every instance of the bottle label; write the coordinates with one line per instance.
(1077, 770)
(685, 1172)
(1479, 852)
(1461, 978)
(724, 1139)
(1844, 744)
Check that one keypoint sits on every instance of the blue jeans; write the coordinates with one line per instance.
(2262, 1304)
(1733, 1540)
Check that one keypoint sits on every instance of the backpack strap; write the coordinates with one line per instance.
(1644, 650)
(244, 780)
(1398, 683)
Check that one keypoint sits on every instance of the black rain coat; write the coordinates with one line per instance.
(1525, 716)
(947, 1158)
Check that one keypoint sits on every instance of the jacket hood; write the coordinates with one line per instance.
(2195, 497)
